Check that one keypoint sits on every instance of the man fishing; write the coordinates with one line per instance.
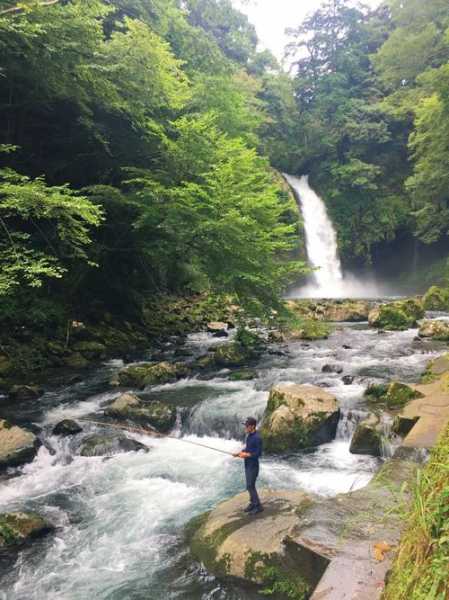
(251, 454)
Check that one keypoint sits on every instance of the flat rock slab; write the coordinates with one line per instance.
(431, 412)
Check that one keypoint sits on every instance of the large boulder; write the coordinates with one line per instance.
(231, 544)
(17, 528)
(437, 330)
(109, 444)
(143, 374)
(436, 298)
(396, 316)
(392, 395)
(129, 407)
(17, 445)
(367, 438)
(299, 416)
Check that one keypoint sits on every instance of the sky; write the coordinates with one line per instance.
(272, 17)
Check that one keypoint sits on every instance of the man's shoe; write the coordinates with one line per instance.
(256, 510)
(249, 508)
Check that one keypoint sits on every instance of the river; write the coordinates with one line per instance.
(121, 520)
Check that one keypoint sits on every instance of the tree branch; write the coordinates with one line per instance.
(19, 9)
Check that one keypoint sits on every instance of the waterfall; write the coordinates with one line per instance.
(327, 281)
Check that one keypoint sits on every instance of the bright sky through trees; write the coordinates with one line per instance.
(272, 17)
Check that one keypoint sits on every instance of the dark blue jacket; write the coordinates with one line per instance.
(254, 447)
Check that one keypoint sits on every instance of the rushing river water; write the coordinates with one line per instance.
(120, 521)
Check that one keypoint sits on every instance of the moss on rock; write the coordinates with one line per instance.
(19, 527)
(436, 298)
(392, 395)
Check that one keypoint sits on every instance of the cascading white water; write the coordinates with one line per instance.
(327, 280)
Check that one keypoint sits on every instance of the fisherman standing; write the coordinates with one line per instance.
(251, 454)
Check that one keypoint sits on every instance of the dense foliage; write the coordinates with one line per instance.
(131, 136)
(372, 105)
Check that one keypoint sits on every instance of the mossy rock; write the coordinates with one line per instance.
(90, 350)
(129, 407)
(298, 416)
(232, 545)
(18, 528)
(243, 375)
(25, 392)
(231, 355)
(436, 298)
(436, 330)
(139, 376)
(396, 316)
(392, 395)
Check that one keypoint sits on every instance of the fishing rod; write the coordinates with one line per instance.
(151, 431)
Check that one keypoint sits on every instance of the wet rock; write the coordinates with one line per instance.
(25, 392)
(230, 544)
(204, 362)
(367, 438)
(276, 337)
(17, 445)
(437, 330)
(403, 425)
(332, 369)
(218, 328)
(348, 379)
(243, 375)
(299, 416)
(144, 374)
(18, 528)
(396, 316)
(109, 444)
(67, 427)
(346, 347)
(392, 395)
(436, 298)
(129, 407)
(309, 329)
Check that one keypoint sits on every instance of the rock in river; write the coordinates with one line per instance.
(231, 544)
(25, 392)
(17, 528)
(109, 444)
(144, 374)
(367, 438)
(17, 445)
(299, 416)
(437, 330)
(129, 407)
(67, 427)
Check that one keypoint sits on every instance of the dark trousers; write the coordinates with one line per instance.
(251, 473)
